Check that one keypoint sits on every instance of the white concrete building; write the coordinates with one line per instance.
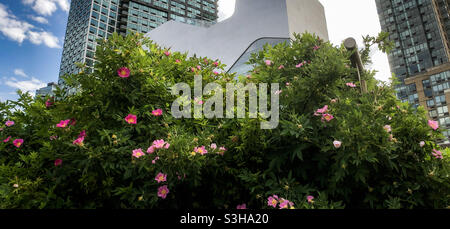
(253, 24)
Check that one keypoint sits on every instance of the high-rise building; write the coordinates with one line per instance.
(420, 59)
(90, 20)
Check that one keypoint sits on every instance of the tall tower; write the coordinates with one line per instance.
(420, 30)
(90, 20)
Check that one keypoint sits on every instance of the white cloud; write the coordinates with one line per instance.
(18, 30)
(25, 85)
(47, 7)
(20, 72)
(39, 19)
(43, 37)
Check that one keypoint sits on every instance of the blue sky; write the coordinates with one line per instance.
(31, 39)
(32, 35)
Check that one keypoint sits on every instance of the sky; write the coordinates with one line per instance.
(32, 35)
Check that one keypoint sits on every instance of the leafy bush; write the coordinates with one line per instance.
(81, 150)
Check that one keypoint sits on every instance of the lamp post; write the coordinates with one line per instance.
(350, 45)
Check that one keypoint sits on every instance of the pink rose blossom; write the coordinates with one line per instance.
(78, 141)
(437, 154)
(281, 67)
(422, 143)
(216, 64)
(131, 119)
(299, 65)
(157, 112)
(199, 67)
(201, 150)
(337, 144)
(163, 191)
(158, 144)
(327, 117)
(177, 61)
(151, 150)
(433, 124)
(387, 128)
(310, 199)
(213, 146)
(154, 161)
(321, 110)
(161, 177)
(268, 62)
(167, 53)
(9, 123)
(18, 142)
(242, 206)
(137, 153)
(352, 85)
(58, 162)
(7, 139)
(271, 201)
(123, 72)
(63, 123)
(215, 73)
(167, 145)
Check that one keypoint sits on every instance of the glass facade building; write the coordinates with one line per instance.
(420, 58)
(90, 20)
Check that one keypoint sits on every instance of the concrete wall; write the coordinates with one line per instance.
(252, 19)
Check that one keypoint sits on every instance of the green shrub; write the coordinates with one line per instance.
(376, 166)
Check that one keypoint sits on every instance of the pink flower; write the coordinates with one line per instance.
(198, 101)
(327, 117)
(422, 143)
(272, 202)
(437, 154)
(201, 150)
(154, 161)
(157, 112)
(131, 119)
(281, 67)
(333, 101)
(216, 73)
(7, 139)
(167, 53)
(288, 84)
(268, 62)
(177, 61)
(158, 144)
(278, 92)
(213, 146)
(167, 145)
(63, 123)
(222, 149)
(58, 162)
(350, 85)
(193, 69)
(433, 124)
(299, 65)
(310, 199)
(82, 134)
(387, 128)
(9, 123)
(78, 141)
(242, 206)
(18, 142)
(123, 72)
(163, 191)
(48, 103)
(284, 203)
(316, 47)
(321, 110)
(337, 144)
(1, 129)
(199, 67)
(137, 153)
(72, 122)
(151, 150)
(161, 177)
(216, 64)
